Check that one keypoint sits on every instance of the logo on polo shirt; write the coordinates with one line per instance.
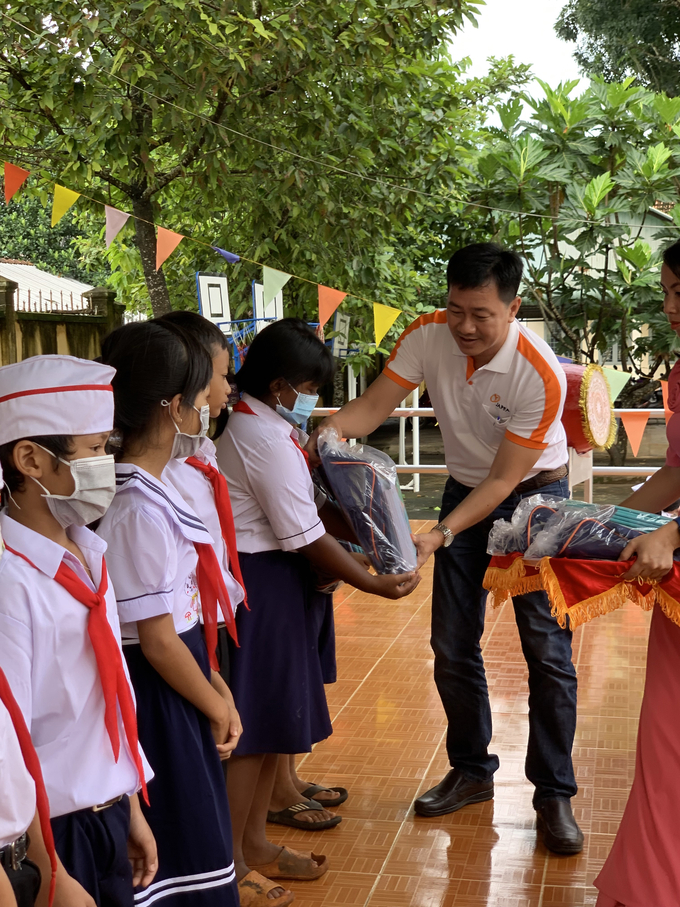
(495, 398)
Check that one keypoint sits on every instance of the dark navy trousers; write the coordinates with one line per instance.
(458, 608)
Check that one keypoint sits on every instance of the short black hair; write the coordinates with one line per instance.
(481, 263)
(199, 327)
(286, 349)
(671, 258)
(153, 362)
(59, 445)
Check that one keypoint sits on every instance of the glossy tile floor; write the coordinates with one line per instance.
(388, 747)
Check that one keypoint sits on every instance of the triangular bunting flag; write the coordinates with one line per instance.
(384, 317)
(229, 256)
(329, 300)
(63, 200)
(273, 282)
(15, 177)
(664, 390)
(617, 381)
(166, 243)
(115, 221)
(635, 428)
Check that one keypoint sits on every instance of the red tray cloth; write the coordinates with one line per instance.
(581, 589)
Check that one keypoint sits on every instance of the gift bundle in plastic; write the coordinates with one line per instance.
(542, 526)
(365, 484)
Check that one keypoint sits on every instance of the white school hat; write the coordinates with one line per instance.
(55, 395)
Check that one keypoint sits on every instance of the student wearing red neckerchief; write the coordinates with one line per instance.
(59, 633)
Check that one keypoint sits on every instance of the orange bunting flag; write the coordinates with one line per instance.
(635, 424)
(329, 300)
(15, 177)
(166, 243)
(664, 391)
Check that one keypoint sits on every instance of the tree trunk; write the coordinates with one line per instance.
(146, 243)
(339, 384)
(617, 452)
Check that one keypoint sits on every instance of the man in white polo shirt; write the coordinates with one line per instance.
(498, 392)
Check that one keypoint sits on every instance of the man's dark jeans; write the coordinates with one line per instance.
(458, 607)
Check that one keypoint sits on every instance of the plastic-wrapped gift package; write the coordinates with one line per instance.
(365, 484)
(548, 527)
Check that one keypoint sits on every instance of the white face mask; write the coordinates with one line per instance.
(185, 445)
(95, 487)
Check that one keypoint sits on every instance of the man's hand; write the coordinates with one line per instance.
(653, 553)
(426, 544)
(141, 846)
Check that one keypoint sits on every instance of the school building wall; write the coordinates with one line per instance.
(25, 334)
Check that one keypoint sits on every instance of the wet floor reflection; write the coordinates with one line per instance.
(388, 747)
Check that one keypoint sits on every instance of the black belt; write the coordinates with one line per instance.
(541, 479)
(12, 855)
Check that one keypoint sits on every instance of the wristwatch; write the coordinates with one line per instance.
(446, 532)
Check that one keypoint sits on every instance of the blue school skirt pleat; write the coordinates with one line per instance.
(276, 672)
(189, 811)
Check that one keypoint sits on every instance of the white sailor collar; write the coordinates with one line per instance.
(42, 552)
(130, 477)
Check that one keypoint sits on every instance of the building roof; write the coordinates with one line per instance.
(40, 291)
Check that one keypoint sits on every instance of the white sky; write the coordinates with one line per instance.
(523, 28)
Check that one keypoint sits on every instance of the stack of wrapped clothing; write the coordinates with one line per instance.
(571, 550)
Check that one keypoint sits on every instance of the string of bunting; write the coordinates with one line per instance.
(273, 280)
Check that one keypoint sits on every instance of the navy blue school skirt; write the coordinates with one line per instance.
(276, 672)
(189, 811)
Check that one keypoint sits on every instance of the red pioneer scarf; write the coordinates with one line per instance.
(225, 514)
(212, 590)
(33, 766)
(115, 684)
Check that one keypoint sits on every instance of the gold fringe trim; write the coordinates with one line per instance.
(668, 605)
(589, 608)
(497, 600)
(585, 387)
(503, 583)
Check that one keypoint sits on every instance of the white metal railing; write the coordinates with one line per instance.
(28, 300)
(416, 468)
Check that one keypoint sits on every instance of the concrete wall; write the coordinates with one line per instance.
(25, 334)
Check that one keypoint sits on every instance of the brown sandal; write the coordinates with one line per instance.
(254, 888)
(287, 866)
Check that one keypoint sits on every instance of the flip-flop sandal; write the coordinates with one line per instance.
(288, 866)
(254, 888)
(289, 817)
(327, 804)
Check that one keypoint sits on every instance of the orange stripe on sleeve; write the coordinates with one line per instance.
(438, 317)
(402, 382)
(551, 385)
(525, 442)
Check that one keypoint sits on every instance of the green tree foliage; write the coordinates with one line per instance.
(617, 39)
(576, 184)
(26, 234)
(310, 136)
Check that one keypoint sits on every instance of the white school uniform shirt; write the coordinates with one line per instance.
(150, 531)
(273, 498)
(17, 800)
(518, 395)
(196, 490)
(50, 664)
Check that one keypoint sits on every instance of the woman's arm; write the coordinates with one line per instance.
(7, 898)
(330, 557)
(166, 652)
(662, 489)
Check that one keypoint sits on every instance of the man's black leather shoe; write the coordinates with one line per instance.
(556, 822)
(454, 792)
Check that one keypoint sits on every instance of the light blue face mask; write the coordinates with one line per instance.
(304, 406)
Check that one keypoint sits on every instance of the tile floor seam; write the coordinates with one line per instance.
(406, 819)
(384, 655)
(545, 873)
